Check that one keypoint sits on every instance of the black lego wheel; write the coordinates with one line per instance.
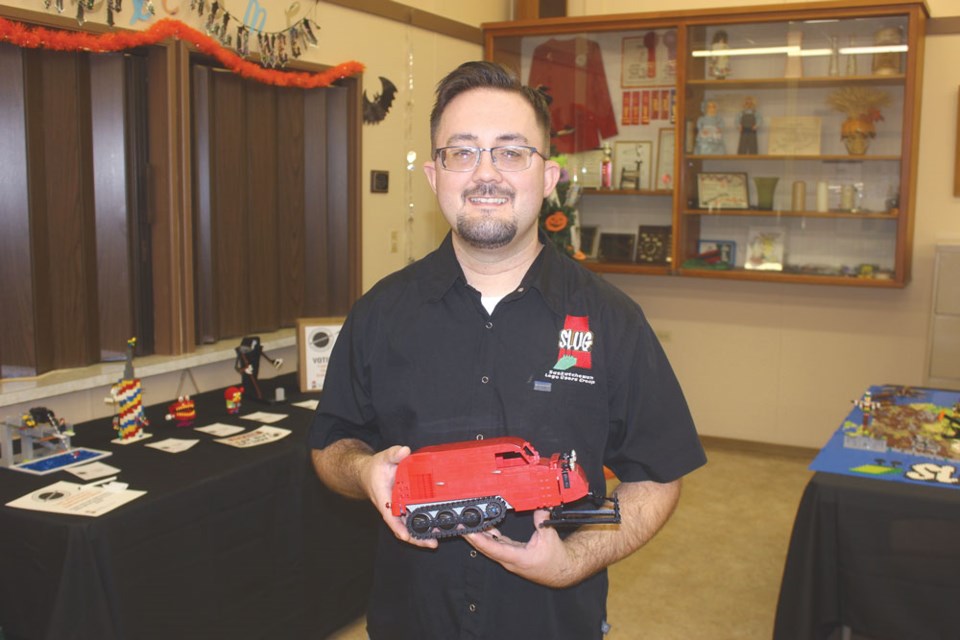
(420, 523)
(471, 517)
(446, 520)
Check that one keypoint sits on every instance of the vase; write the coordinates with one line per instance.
(856, 134)
(765, 190)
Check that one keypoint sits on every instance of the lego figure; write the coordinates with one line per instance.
(866, 404)
(248, 365)
(749, 122)
(233, 397)
(183, 411)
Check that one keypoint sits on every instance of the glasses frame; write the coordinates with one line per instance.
(438, 155)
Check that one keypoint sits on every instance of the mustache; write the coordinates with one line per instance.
(488, 191)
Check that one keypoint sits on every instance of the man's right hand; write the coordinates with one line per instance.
(351, 468)
(377, 477)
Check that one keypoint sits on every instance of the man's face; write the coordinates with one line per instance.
(487, 208)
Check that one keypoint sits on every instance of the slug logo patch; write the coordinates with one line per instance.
(576, 343)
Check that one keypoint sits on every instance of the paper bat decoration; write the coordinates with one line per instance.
(376, 110)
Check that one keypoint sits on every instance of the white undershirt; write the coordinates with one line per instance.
(490, 302)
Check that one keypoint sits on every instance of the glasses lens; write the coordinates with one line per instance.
(459, 158)
(511, 158)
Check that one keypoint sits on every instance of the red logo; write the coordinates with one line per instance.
(576, 343)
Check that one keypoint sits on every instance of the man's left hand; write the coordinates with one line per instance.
(543, 559)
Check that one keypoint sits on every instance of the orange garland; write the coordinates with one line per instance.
(39, 37)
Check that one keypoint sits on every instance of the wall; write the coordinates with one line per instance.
(758, 361)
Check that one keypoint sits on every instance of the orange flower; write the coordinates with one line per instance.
(555, 222)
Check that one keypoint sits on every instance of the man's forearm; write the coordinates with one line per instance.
(644, 508)
(339, 466)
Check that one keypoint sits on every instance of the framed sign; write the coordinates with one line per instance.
(765, 249)
(794, 136)
(315, 340)
(722, 191)
(665, 153)
(616, 247)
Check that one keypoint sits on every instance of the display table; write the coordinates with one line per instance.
(227, 542)
(882, 558)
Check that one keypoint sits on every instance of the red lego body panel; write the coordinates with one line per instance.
(487, 475)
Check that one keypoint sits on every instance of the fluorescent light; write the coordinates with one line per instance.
(890, 48)
(797, 51)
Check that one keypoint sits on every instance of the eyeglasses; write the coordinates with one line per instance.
(506, 158)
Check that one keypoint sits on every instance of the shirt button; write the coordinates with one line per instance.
(472, 607)
(484, 379)
(489, 325)
(473, 553)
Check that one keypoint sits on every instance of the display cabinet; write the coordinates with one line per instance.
(763, 143)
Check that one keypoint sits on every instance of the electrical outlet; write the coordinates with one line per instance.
(394, 240)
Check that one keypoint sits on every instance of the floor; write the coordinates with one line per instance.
(713, 573)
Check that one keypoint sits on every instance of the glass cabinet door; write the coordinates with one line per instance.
(793, 140)
(613, 103)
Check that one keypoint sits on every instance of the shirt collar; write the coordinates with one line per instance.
(442, 270)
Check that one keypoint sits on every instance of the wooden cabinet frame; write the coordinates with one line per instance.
(504, 42)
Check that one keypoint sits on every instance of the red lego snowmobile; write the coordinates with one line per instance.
(465, 487)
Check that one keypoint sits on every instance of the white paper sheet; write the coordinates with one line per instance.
(76, 499)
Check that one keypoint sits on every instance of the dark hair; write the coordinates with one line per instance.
(481, 74)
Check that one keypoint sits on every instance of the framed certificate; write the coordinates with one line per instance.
(722, 191)
(315, 340)
(794, 136)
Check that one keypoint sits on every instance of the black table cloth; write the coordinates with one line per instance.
(226, 543)
(882, 558)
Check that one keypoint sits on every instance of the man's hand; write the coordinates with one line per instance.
(543, 559)
(377, 477)
(548, 560)
(351, 468)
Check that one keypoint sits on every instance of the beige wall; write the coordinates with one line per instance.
(766, 362)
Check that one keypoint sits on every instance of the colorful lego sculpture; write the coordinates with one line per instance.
(183, 412)
(465, 487)
(127, 396)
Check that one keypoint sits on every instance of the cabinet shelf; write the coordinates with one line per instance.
(627, 267)
(785, 157)
(662, 193)
(768, 213)
(804, 82)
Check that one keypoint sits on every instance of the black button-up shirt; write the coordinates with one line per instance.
(566, 361)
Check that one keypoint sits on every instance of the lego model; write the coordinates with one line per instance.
(127, 396)
(183, 411)
(248, 365)
(465, 487)
(39, 429)
(233, 396)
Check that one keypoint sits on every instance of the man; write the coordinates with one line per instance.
(494, 334)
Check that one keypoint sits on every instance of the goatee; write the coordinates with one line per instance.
(483, 231)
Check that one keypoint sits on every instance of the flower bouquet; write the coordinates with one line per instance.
(861, 105)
